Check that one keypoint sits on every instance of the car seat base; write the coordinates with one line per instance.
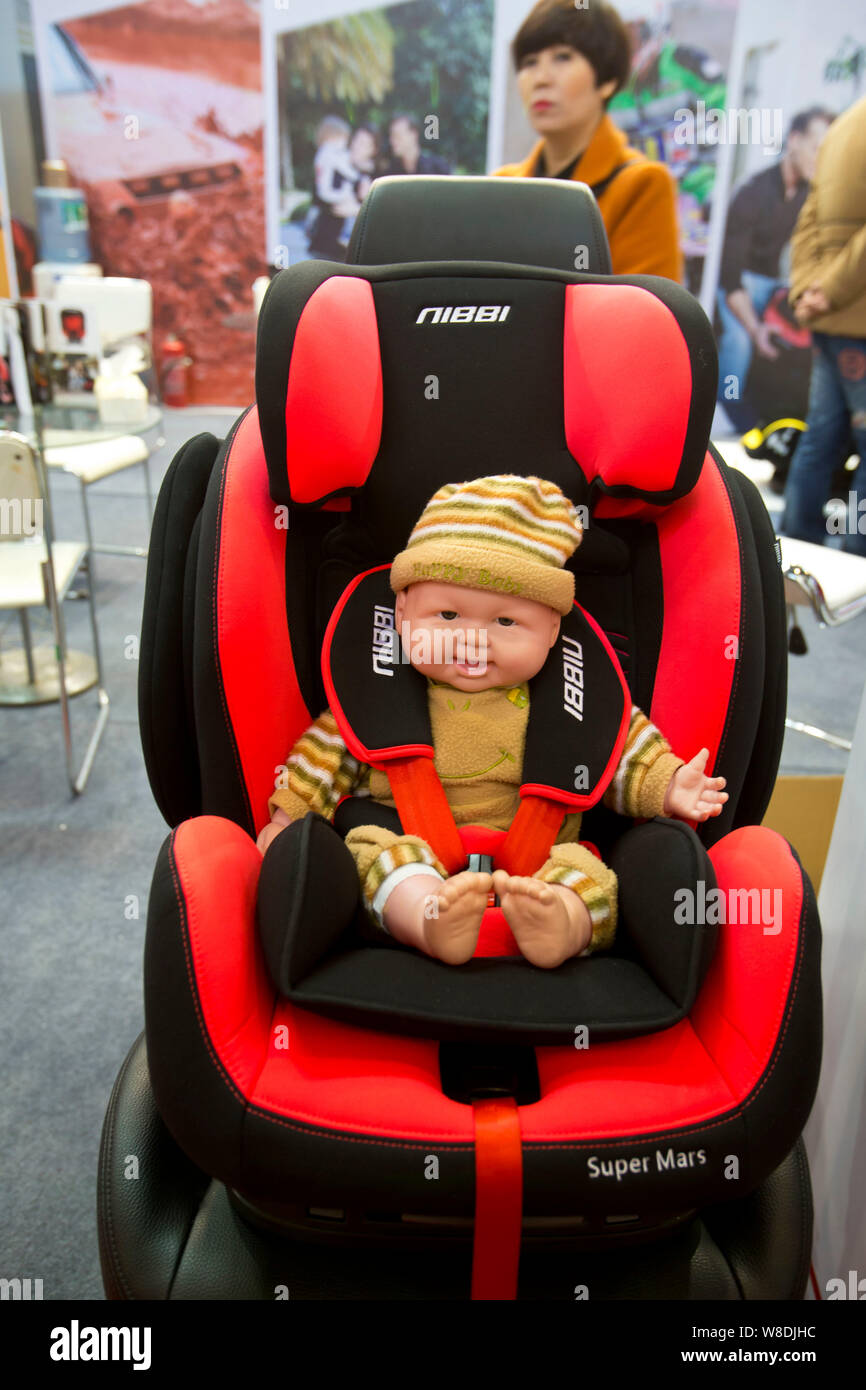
(176, 1234)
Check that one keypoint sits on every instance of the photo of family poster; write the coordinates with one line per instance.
(401, 89)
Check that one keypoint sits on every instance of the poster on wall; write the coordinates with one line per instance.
(157, 109)
(397, 89)
(680, 70)
(797, 88)
(682, 53)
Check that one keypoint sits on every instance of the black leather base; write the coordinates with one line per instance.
(173, 1233)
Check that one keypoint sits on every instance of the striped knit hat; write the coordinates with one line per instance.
(507, 534)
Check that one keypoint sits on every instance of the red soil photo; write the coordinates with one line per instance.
(165, 137)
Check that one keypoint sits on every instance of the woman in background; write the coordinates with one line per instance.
(569, 64)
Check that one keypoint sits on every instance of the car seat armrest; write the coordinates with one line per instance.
(308, 896)
(662, 870)
(201, 937)
(768, 951)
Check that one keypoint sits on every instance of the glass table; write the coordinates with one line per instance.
(55, 426)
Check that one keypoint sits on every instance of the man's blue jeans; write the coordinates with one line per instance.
(837, 409)
(736, 348)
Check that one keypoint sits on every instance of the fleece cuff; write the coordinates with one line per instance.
(387, 886)
(651, 797)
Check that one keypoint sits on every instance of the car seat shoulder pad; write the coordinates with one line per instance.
(579, 702)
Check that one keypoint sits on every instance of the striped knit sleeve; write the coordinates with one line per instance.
(646, 767)
(317, 773)
(576, 867)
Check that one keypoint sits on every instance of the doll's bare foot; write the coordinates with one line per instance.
(550, 923)
(452, 922)
(439, 918)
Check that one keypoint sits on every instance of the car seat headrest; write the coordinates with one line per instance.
(603, 384)
(549, 222)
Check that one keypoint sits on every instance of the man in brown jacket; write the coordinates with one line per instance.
(828, 294)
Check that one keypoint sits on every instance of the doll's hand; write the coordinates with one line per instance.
(691, 795)
(279, 820)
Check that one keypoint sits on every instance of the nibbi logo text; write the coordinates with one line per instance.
(464, 313)
(572, 672)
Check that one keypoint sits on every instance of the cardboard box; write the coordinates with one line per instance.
(803, 809)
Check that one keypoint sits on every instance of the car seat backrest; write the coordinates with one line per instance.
(613, 405)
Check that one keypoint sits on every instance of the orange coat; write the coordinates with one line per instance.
(638, 206)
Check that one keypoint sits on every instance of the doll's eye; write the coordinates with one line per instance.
(448, 614)
(506, 622)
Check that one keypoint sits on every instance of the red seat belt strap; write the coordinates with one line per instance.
(424, 810)
(529, 839)
(498, 1199)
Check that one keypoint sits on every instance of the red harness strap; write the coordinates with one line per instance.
(530, 836)
(423, 808)
(498, 1199)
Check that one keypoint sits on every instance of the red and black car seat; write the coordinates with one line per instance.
(602, 1103)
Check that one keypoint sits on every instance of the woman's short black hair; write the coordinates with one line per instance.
(596, 31)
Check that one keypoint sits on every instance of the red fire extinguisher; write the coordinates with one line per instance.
(175, 373)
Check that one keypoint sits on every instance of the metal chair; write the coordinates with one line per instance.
(36, 571)
(99, 459)
(830, 582)
(833, 584)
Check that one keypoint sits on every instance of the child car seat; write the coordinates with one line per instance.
(649, 1099)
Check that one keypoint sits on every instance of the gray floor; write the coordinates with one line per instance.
(76, 874)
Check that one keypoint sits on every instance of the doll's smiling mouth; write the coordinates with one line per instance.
(505, 756)
(476, 668)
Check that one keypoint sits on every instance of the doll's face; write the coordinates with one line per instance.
(472, 639)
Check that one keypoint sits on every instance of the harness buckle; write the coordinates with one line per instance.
(482, 864)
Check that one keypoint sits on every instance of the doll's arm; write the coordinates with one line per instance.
(648, 762)
(652, 781)
(318, 772)
(693, 796)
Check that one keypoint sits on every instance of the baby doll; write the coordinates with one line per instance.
(481, 588)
